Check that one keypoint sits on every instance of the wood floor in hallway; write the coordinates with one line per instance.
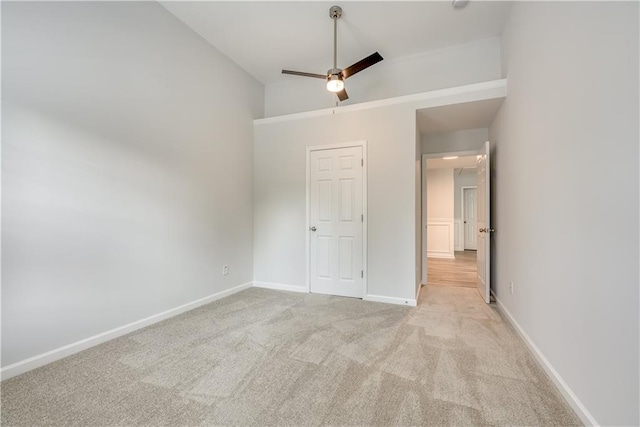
(461, 271)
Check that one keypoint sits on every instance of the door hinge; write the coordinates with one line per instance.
(362, 273)
(361, 162)
(362, 217)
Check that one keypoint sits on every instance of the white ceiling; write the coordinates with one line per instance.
(265, 37)
(460, 162)
(449, 118)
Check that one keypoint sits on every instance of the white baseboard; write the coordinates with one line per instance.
(280, 287)
(375, 298)
(562, 386)
(445, 255)
(76, 347)
(391, 300)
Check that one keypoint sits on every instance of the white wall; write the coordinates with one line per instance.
(439, 193)
(126, 169)
(567, 239)
(473, 62)
(280, 191)
(468, 178)
(440, 221)
(459, 140)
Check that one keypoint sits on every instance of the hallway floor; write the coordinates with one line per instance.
(461, 271)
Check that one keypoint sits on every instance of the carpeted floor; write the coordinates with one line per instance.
(265, 357)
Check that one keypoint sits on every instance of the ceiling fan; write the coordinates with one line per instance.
(335, 77)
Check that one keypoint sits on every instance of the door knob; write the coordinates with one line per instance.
(482, 230)
(312, 228)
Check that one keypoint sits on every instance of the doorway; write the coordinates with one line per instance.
(336, 220)
(452, 131)
(469, 218)
(449, 215)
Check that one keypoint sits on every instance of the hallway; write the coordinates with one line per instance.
(461, 271)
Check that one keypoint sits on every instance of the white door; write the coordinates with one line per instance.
(336, 222)
(484, 229)
(469, 217)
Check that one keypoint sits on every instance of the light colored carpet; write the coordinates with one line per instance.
(265, 357)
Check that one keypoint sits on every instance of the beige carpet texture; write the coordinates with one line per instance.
(263, 357)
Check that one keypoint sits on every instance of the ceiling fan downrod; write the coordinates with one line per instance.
(335, 12)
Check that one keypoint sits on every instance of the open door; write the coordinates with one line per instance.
(484, 225)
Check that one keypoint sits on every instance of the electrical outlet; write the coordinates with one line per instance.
(225, 270)
(511, 287)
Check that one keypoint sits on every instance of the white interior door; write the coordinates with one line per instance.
(470, 218)
(484, 221)
(336, 222)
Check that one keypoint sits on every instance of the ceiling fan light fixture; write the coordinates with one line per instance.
(335, 83)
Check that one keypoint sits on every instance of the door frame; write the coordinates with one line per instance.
(425, 157)
(465, 187)
(362, 144)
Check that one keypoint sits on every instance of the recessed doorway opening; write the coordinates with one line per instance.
(449, 238)
(450, 220)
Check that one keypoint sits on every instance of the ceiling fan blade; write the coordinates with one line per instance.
(300, 73)
(362, 64)
(342, 95)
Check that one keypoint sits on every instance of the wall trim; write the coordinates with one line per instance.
(423, 216)
(373, 298)
(280, 287)
(568, 394)
(78, 346)
(441, 255)
(442, 222)
(453, 95)
(391, 300)
(458, 235)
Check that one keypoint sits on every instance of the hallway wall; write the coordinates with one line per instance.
(440, 232)
(457, 140)
(468, 178)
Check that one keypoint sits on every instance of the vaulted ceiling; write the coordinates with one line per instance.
(265, 37)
